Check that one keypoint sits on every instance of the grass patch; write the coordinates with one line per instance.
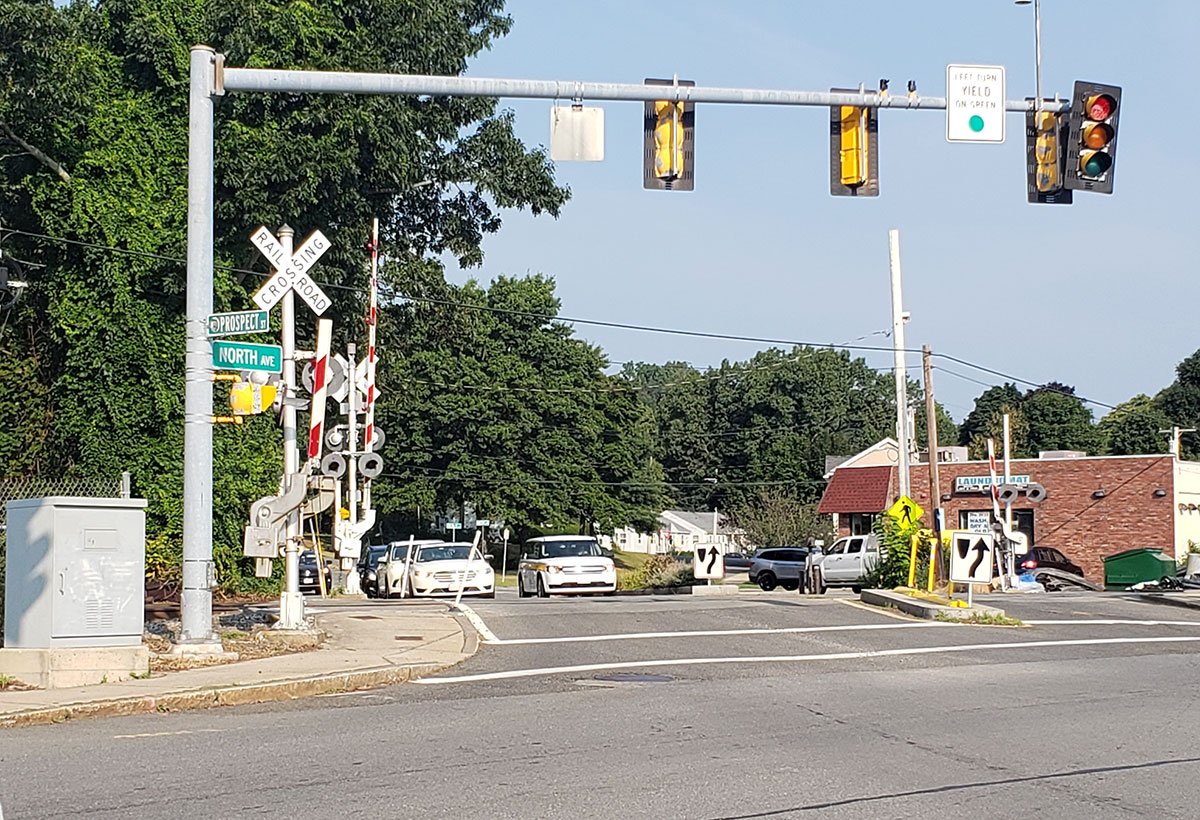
(982, 619)
(510, 581)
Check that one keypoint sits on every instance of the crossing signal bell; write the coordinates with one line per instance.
(668, 141)
(853, 148)
(1046, 137)
(1092, 151)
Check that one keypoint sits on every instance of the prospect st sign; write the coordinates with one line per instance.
(291, 274)
(232, 324)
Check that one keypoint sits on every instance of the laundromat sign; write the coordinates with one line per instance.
(983, 483)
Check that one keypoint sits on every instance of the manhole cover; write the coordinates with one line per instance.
(366, 617)
(408, 637)
(635, 677)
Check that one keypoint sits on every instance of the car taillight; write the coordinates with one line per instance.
(1028, 564)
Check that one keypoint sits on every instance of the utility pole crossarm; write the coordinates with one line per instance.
(346, 82)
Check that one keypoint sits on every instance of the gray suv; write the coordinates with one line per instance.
(779, 566)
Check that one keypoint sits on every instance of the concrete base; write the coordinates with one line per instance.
(202, 649)
(715, 589)
(920, 608)
(77, 666)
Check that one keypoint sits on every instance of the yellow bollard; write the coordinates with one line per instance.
(912, 563)
(933, 545)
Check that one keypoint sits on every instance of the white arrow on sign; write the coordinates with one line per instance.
(291, 274)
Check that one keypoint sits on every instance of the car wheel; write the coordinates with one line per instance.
(541, 588)
(491, 594)
(766, 580)
(790, 586)
(856, 590)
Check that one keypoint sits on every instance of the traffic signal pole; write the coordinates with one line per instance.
(210, 78)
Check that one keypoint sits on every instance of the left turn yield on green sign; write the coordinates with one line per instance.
(247, 356)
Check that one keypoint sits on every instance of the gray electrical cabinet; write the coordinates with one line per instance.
(75, 573)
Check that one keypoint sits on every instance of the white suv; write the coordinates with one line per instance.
(564, 563)
(847, 560)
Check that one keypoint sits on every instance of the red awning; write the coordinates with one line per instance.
(857, 490)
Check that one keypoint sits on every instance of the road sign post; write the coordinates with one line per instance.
(975, 103)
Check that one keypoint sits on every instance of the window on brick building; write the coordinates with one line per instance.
(861, 523)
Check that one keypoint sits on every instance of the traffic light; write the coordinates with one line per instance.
(668, 134)
(1092, 141)
(853, 148)
(1046, 157)
(247, 398)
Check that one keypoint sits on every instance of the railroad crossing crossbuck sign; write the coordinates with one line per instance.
(971, 558)
(291, 274)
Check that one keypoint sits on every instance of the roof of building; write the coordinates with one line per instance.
(857, 490)
(888, 443)
(699, 522)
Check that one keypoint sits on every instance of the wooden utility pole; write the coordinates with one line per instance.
(935, 492)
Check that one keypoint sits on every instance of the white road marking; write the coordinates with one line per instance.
(477, 622)
(167, 734)
(835, 656)
(712, 633)
(1112, 622)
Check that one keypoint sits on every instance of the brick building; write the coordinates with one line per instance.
(1094, 506)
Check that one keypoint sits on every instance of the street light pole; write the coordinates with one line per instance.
(1037, 39)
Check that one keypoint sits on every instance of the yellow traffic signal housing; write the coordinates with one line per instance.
(246, 399)
(668, 138)
(853, 148)
(1045, 157)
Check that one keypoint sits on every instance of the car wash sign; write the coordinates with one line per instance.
(983, 483)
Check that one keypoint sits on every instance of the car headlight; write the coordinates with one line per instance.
(371, 575)
(554, 568)
(419, 573)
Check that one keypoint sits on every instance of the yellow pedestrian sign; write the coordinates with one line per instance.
(905, 512)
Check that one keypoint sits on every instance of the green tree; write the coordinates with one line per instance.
(1133, 428)
(993, 428)
(1058, 420)
(779, 518)
(979, 422)
(1180, 402)
(93, 128)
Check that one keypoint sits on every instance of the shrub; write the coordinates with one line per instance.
(658, 571)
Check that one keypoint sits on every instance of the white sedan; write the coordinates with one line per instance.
(564, 563)
(441, 569)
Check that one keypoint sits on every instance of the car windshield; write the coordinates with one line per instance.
(373, 555)
(571, 549)
(443, 552)
(399, 551)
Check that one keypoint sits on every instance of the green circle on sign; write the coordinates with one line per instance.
(976, 123)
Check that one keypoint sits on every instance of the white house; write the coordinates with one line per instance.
(679, 531)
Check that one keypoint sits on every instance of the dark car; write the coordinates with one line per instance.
(779, 566)
(309, 582)
(1046, 558)
(736, 562)
(367, 566)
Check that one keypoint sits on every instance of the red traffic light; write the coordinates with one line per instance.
(1100, 107)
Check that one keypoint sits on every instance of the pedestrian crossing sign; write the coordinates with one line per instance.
(905, 511)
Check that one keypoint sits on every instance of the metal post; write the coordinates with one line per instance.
(352, 499)
(196, 596)
(291, 602)
(931, 436)
(1037, 39)
(899, 317)
(504, 557)
(1012, 567)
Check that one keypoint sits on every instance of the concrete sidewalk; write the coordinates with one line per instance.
(366, 647)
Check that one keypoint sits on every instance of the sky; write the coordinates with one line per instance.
(1091, 295)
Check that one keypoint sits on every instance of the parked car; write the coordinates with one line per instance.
(368, 575)
(1043, 558)
(389, 572)
(736, 562)
(844, 562)
(778, 566)
(442, 569)
(564, 563)
(309, 580)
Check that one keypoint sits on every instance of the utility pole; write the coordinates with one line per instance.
(291, 603)
(935, 492)
(899, 317)
(1173, 444)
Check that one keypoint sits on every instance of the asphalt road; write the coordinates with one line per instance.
(675, 706)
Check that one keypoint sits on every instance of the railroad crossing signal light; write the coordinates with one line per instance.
(853, 148)
(1046, 134)
(668, 139)
(247, 399)
(1092, 141)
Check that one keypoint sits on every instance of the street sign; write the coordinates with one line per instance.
(291, 274)
(975, 103)
(708, 562)
(454, 525)
(905, 511)
(970, 557)
(482, 522)
(247, 356)
(244, 321)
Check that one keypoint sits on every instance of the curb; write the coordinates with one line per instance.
(923, 609)
(1164, 599)
(226, 696)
